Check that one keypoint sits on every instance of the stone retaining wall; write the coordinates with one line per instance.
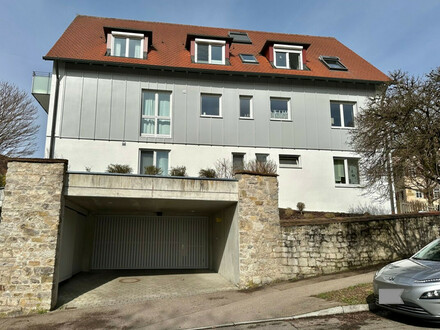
(315, 249)
(31, 214)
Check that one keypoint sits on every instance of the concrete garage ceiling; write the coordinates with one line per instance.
(142, 205)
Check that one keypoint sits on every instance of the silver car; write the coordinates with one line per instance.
(412, 286)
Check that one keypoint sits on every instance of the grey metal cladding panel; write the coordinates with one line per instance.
(179, 118)
(231, 114)
(323, 124)
(205, 126)
(299, 120)
(336, 139)
(117, 115)
(88, 107)
(71, 106)
(312, 118)
(133, 111)
(246, 132)
(275, 134)
(193, 121)
(262, 119)
(103, 106)
(288, 135)
(217, 132)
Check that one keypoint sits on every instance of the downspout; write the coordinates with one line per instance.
(55, 110)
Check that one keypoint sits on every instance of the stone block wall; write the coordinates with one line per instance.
(323, 248)
(30, 219)
(259, 229)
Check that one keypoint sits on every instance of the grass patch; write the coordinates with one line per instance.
(353, 295)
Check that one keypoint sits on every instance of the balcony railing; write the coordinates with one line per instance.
(41, 83)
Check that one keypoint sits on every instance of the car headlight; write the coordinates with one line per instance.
(434, 294)
(429, 280)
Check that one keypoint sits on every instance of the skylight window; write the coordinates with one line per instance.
(248, 58)
(333, 63)
(239, 37)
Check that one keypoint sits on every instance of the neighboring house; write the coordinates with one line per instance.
(143, 93)
(412, 200)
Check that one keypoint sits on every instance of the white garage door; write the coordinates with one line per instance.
(139, 242)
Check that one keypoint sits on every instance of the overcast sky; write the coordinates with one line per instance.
(390, 34)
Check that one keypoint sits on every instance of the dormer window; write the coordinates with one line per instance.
(126, 44)
(333, 63)
(288, 57)
(210, 51)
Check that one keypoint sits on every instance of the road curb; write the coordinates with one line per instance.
(323, 312)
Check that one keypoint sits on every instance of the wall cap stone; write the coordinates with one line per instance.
(326, 221)
(37, 160)
(256, 173)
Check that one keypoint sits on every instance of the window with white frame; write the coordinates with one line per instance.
(346, 170)
(237, 161)
(279, 108)
(210, 105)
(210, 51)
(288, 57)
(157, 158)
(289, 161)
(436, 193)
(245, 107)
(156, 113)
(127, 44)
(342, 114)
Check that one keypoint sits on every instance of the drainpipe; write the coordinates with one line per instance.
(55, 110)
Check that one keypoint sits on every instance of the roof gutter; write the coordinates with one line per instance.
(55, 111)
(222, 72)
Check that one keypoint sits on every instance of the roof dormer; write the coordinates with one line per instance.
(127, 43)
(286, 55)
(209, 49)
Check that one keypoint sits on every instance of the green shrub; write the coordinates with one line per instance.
(118, 168)
(267, 167)
(300, 206)
(2, 180)
(152, 170)
(207, 173)
(289, 212)
(178, 171)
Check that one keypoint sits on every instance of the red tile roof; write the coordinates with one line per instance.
(85, 40)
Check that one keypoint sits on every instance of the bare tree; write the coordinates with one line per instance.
(398, 135)
(17, 122)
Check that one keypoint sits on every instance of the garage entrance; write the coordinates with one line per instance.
(150, 242)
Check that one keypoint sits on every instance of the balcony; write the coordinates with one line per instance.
(41, 83)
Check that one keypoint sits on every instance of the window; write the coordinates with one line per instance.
(246, 107)
(210, 105)
(237, 161)
(436, 193)
(158, 158)
(342, 114)
(288, 57)
(289, 161)
(261, 158)
(279, 109)
(239, 37)
(419, 194)
(333, 63)
(156, 113)
(127, 44)
(346, 168)
(248, 58)
(210, 51)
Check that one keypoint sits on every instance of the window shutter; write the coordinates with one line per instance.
(304, 56)
(145, 54)
(294, 61)
(109, 44)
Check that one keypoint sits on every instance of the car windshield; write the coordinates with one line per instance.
(430, 252)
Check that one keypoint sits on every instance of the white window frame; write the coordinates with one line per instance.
(156, 116)
(298, 165)
(287, 49)
(210, 42)
(288, 108)
(154, 151)
(341, 114)
(347, 184)
(251, 106)
(127, 36)
(219, 105)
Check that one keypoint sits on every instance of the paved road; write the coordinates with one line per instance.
(362, 321)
